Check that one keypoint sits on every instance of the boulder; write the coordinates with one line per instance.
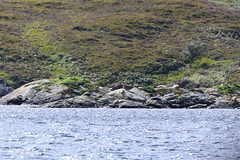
(225, 103)
(220, 103)
(83, 101)
(104, 102)
(139, 93)
(156, 102)
(57, 104)
(134, 94)
(26, 91)
(188, 99)
(123, 103)
(122, 98)
(37, 93)
(16, 101)
(51, 94)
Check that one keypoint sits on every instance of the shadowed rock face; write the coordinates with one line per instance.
(123, 103)
(82, 101)
(4, 89)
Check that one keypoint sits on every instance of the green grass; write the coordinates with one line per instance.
(144, 39)
(71, 82)
(75, 83)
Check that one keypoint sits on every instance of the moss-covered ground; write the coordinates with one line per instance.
(120, 41)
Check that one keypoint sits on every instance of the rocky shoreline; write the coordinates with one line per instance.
(43, 95)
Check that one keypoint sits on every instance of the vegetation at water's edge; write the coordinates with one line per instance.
(228, 88)
(144, 42)
(75, 82)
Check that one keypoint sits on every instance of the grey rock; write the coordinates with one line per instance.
(156, 102)
(54, 93)
(225, 103)
(44, 94)
(188, 99)
(37, 93)
(16, 101)
(82, 101)
(118, 94)
(156, 98)
(56, 104)
(26, 91)
(197, 90)
(220, 104)
(216, 94)
(169, 97)
(104, 102)
(123, 103)
(139, 93)
(176, 106)
(133, 95)
(4, 89)
(197, 106)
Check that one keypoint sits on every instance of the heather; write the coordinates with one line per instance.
(110, 42)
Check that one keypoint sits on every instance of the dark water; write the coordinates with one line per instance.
(32, 133)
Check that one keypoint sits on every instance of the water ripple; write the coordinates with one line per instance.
(35, 133)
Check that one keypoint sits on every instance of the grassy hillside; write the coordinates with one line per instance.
(133, 41)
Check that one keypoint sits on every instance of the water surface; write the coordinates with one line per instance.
(44, 133)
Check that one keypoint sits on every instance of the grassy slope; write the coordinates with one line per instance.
(41, 39)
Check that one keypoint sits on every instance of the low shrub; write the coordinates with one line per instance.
(71, 82)
(149, 89)
(109, 79)
(194, 50)
(228, 88)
